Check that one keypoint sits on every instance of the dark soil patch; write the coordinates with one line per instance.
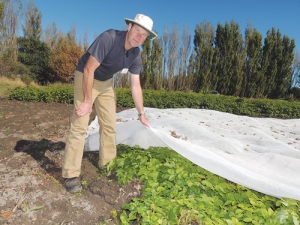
(32, 141)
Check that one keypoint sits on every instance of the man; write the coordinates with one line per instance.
(111, 52)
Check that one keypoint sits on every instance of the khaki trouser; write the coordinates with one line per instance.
(104, 99)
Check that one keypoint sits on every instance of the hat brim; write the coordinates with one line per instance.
(151, 36)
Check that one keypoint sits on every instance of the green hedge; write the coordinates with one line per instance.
(222, 103)
(163, 99)
(53, 93)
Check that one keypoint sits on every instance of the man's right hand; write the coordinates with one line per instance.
(83, 109)
(87, 84)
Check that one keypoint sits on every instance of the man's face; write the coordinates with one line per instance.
(136, 35)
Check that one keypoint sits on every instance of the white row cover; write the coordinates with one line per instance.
(262, 154)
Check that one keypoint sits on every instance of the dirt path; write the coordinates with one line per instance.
(32, 141)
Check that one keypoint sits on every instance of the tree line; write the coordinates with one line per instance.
(221, 59)
(43, 56)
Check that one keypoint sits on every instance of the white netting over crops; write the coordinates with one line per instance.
(260, 153)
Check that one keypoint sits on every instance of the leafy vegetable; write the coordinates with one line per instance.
(176, 191)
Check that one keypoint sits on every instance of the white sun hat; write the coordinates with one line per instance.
(144, 22)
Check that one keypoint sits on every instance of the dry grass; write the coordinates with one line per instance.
(5, 81)
(8, 83)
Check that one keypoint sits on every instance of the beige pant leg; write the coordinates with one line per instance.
(105, 105)
(104, 99)
(75, 141)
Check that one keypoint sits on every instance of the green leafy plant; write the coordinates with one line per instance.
(78, 193)
(176, 191)
(84, 183)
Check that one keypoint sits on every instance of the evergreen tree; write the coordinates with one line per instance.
(35, 55)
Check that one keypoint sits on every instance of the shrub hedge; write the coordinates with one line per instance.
(164, 99)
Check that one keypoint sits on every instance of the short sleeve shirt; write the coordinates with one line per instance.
(109, 50)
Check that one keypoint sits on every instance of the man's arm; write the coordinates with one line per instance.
(87, 84)
(137, 96)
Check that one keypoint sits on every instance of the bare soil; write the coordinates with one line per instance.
(32, 141)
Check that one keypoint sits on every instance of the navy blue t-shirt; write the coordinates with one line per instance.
(109, 50)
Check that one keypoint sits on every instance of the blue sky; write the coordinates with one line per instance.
(96, 16)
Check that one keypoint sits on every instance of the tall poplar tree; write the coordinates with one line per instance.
(2, 27)
(172, 54)
(284, 66)
(204, 49)
(165, 55)
(191, 70)
(252, 69)
(183, 59)
(85, 41)
(156, 57)
(146, 62)
(10, 22)
(33, 19)
(230, 45)
(2, 30)
(51, 35)
(269, 62)
(296, 60)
